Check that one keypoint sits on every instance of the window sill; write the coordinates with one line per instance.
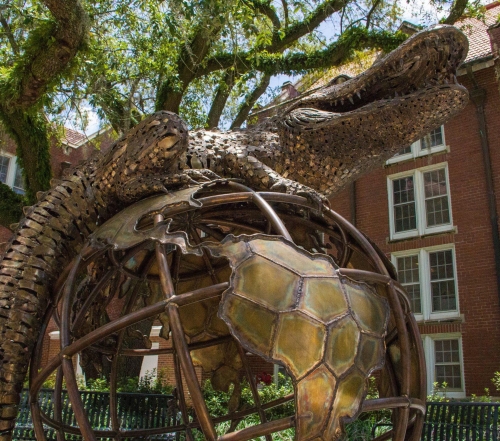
(459, 319)
(392, 161)
(452, 229)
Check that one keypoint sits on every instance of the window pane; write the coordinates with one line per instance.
(438, 211)
(432, 139)
(415, 298)
(441, 263)
(403, 190)
(404, 204)
(435, 183)
(436, 198)
(408, 276)
(449, 374)
(443, 290)
(448, 367)
(404, 151)
(18, 181)
(4, 168)
(405, 218)
(443, 296)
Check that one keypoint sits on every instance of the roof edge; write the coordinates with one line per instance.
(86, 139)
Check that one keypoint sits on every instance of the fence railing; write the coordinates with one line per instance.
(135, 411)
(444, 421)
(462, 421)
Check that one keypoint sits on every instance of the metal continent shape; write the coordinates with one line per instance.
(295, 309)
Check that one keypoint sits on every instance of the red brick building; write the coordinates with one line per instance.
(433, 210)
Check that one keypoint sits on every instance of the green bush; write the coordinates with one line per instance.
(496, 380)
(218, 402)
(11, 206)
(151, 383)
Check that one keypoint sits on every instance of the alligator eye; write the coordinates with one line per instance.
(342, 78)
(168, 141)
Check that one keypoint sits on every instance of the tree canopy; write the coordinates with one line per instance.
(204, 59)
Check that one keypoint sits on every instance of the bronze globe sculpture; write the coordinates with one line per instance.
(296, 285)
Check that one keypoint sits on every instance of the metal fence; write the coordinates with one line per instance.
(135, 411)
(444, 421)
(462, 421)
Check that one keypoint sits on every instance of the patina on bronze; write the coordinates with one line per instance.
(314, 148)
(306, 308)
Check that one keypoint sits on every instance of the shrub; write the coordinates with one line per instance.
(496, 380)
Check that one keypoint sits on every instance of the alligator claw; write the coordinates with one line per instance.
(191, 177)
(200, 176)
(291, 187)
(317, 199)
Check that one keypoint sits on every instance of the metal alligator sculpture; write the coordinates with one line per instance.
(316, 146)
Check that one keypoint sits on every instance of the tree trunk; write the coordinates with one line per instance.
(219, 102)
(250, 101)
(30, 131)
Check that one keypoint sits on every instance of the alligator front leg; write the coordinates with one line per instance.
(259, 176)
(142, 186)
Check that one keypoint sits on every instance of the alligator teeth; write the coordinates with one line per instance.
(358, 94)
(342, 101)
(351, 100)
(336, 103)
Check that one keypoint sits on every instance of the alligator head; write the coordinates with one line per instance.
(345, 129)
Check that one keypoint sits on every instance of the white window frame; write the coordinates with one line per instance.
(428, 341)
(417, 151)
(418, 185)
(11, 172)
(425, 281)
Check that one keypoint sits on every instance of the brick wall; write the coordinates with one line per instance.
(477, 287)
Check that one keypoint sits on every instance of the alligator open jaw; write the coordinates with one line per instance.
(344, 130)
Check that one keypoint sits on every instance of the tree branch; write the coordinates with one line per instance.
(221, 96)
(169, 94)
(266, 9)
(370, 13)
(456, 11)
(285, 12)
(333, 55)
(311, 22)
(46, 54)
(250, 101)
(10, 35)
